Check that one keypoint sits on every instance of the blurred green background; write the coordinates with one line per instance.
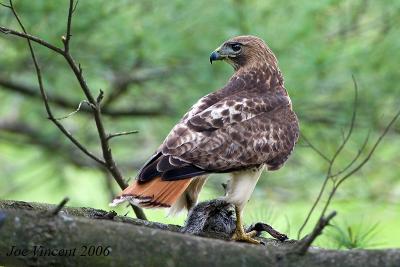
(151, 60)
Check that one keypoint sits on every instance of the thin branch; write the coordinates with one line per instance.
(67, 38)
(333, 159)
(108, 162)
(380, 138)
(7, 6)
(59, 207)
(347, 137)
(100, 97)
(351, 163)
(44, 96)
(311, 211)
(75, 111)
(70, 104)
(5, 30)
(359, 166)
(107, 155)
(76, 4)
(350, 173)
(121, 134)
(139, 212)
(305, 243)
(32, 136)
(309, 144)
(54, 146)
(121, 82)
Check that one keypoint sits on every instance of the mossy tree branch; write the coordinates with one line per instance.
(133, 242)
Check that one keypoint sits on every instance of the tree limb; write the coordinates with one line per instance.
(134, 242)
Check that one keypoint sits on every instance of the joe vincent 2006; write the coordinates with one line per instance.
(40, 251)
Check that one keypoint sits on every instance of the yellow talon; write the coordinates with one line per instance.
(239, 234)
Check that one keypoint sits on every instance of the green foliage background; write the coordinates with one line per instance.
(319, 44)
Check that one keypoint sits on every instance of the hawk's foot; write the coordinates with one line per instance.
(241, 236)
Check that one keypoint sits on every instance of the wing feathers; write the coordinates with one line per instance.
(244, 129)
(168, 168)
(182, 173)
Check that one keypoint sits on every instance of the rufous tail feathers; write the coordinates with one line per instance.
(155, 193)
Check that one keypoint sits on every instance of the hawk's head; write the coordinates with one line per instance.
(243, 51)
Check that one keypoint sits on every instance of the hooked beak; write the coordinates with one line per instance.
(216, 55)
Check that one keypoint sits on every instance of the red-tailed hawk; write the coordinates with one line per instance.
(243, 127)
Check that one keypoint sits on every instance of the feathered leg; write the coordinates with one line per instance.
(238, 192)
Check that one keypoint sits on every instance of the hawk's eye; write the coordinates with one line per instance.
(235, 47)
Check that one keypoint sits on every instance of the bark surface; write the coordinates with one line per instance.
(74, 234)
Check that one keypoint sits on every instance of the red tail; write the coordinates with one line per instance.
(155, 193)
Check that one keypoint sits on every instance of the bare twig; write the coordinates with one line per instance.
(100, 97)
(76, 4)
(31, 135)
(361, 164)
(59, 207)
(67, 37)
(306, 242)
(321, 191)
(121, 134)
(44, 96)
(77, 70)
(357, 156)
(346, 137)
(30, 37)
(108, 162)
(63, 102)
(34, 136)
(75, 111)
(333, 159)
(5, 5)
(310, 145)
(349, 169)
(121, 81)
